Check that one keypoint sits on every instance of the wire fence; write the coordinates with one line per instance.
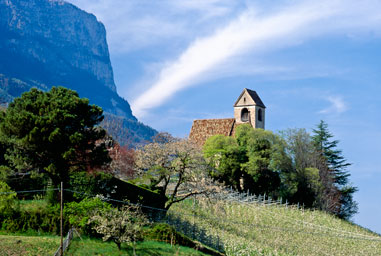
(230, 195)
(195, 232)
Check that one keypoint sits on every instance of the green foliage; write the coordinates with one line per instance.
(86, 184)
(337, 163)
(7, 199)
(296, 166)
(252, 160)
(166, 233)
(79, 213)
(328, 148)
(224, 153)
(45, 219)
(303, 177)
(53, 132)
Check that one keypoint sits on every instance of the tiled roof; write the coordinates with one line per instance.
(203, 129)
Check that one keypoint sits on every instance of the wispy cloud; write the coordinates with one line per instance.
(250, 32)
(137, 24)
(224, 38)
(337, 106)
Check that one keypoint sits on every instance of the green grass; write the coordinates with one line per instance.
(91, 247)
(258, 229)
(33, 245)
(32, 205)
(28, 245)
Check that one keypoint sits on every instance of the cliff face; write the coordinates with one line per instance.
(56, 43)
(45, 43)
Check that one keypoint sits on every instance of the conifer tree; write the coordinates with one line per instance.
(53, 133)
(337, 163)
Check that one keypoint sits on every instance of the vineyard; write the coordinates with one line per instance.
(263, 228)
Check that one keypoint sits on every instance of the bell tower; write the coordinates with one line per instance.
(249, 108)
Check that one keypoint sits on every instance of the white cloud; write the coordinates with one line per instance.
(233, 46)
(338, 106)
(137, 24)
(246, 32)
(249, 33)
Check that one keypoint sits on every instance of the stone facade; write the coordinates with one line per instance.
(248, 108)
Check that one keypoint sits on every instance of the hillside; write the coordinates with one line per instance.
(45, 43)
(270, 228)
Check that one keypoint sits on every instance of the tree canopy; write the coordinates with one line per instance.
(173, 167)
(337, 164)
(295, 165)
(251, 160)
(53, 133)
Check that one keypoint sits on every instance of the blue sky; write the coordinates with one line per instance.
(176, 61)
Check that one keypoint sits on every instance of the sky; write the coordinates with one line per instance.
(176, 61)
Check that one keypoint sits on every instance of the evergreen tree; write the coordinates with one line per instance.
(53, 133)
(337, 163)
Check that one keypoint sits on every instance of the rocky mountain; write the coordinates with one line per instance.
(51, 42)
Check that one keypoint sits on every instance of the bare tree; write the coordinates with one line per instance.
(175, 168)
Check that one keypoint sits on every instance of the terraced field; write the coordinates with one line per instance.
(263, 229)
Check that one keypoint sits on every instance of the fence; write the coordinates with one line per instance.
(66, 242)
(196, 233)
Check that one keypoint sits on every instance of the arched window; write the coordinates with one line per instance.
(260, 115)
(244, 115)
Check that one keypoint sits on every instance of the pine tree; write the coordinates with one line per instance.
(53, 133)
(337, 163)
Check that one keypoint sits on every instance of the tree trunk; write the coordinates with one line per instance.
(118, 244)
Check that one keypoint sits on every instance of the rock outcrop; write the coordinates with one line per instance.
(44, 43)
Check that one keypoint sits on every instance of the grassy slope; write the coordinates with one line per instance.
(28, 245)
(97, 247)
(22, 244)
(257, 229)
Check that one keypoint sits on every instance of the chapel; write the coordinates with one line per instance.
(248, 108)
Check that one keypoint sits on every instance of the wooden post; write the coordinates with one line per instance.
(61, 219)
(194, 219)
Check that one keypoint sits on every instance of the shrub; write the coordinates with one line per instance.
(46, 219)
(120, 226)
(78, 213)
(90, 184)
(166, 233)
(7, 199)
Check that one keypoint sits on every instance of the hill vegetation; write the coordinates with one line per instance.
(54, 136)
(260, 228)
(293, 165)
(126, 132)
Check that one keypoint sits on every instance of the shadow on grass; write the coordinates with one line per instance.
(98, 247)
(193, 231)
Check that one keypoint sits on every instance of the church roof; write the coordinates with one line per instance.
(203, 129)
(253, 95)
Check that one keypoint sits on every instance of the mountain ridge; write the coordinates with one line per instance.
(45, 43)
